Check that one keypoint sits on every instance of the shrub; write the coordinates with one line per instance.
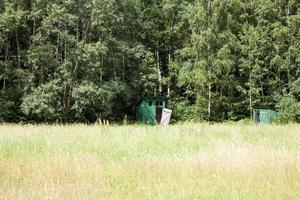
(289, 109)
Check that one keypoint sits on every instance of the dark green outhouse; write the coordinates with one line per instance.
(150, 110)
(263, 115)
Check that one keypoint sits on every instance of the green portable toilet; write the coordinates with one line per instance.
(263, 115)
(150, 110)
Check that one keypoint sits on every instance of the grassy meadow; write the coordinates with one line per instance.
(189, 161)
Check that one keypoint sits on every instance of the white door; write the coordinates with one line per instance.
(166, 117)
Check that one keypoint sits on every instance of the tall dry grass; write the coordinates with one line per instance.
(189, 161)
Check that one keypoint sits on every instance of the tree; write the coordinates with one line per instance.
(75, 61)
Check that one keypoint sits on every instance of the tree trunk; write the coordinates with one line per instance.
(4, 78)
(66, 103)
(209, 89)
(33, 31)
(289, 48)
(262, 88)
(209, 101)
(57, 47)
(65, 51)
(77, 31)
(250, 95)
(288, 67)
(41, 82)
(4, 85)
(159, 72)
(123, 68)
(18, 49)
(114, 67)
(209, 67)
(102, 67)
(66, 91)
(169, 90)
(85, 32)
(168, 86)
(76, 68)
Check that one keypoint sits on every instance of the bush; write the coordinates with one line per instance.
(185, 112)
(289, 109)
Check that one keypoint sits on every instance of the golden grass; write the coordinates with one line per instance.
(63, 177)
(189, 161)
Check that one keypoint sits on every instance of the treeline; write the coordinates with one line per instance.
(79, 60)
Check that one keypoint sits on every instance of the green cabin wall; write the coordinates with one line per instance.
(264, 116)
(147, 112)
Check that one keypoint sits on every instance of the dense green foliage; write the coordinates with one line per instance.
(79, 60)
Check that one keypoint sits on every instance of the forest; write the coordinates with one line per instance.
(212, 60)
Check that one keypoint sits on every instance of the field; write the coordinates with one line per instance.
(188, 161)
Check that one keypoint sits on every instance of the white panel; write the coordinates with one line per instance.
(166, 117)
